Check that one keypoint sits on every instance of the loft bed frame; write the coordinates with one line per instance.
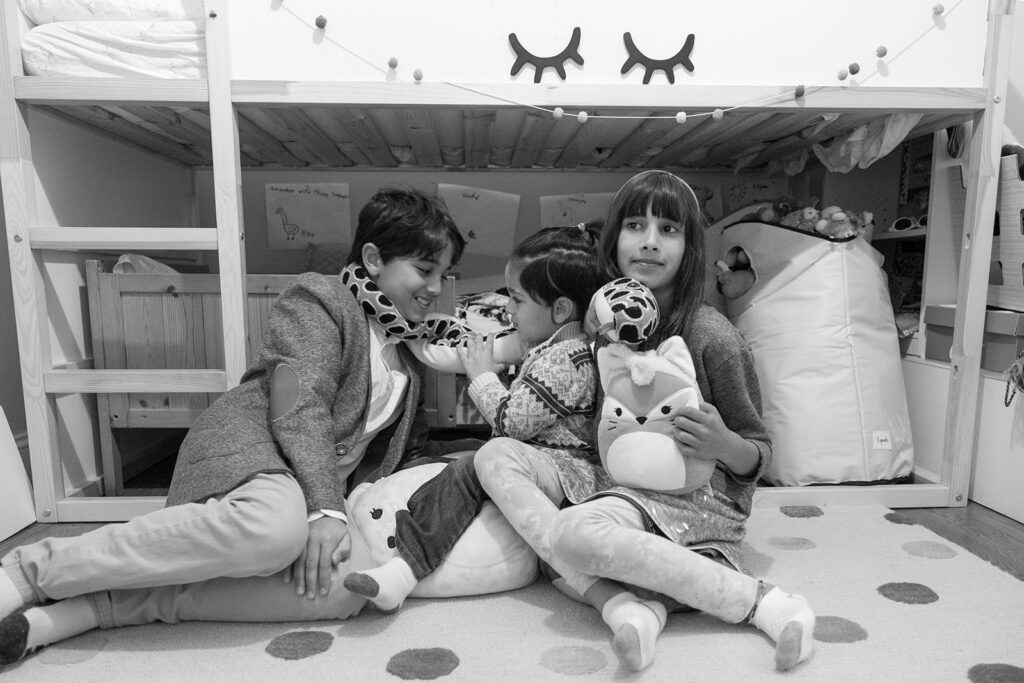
(230, 122)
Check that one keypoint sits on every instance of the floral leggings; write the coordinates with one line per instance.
(604, 537)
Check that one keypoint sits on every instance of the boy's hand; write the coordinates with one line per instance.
(477, 357)
(327, 545)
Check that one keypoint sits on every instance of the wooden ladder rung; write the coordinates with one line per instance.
(123, 238)
(115, 381)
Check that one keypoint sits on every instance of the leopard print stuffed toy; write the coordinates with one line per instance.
(643, 392)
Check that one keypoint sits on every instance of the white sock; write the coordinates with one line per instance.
(10, 598)
(23, 633)
(789, 621)
(386, 586)
(636, 624)
(60, 621)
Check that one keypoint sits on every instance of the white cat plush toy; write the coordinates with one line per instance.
(643, 392)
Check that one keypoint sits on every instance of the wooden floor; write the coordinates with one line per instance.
(987, 534)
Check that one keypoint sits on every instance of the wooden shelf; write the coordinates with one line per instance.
(901, 235)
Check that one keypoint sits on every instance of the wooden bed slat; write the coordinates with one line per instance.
(641, 140)
(105, 381)
(478, 124)
(419, 128)
(72, 238)
(304, 131)
(532, 135)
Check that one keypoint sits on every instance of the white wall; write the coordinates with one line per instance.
(362, 184)
(746, 42)
(84, 180)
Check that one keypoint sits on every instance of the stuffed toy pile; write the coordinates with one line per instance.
(643, 393)
(832, 221)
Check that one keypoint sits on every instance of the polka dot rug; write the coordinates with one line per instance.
(895, 602)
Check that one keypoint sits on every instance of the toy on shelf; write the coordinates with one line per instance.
(838, 224)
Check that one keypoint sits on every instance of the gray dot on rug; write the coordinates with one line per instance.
(930, 550)
(791, 543)
(74, 651)
(423, 664)
(838, 630)
(897, 518)
(299, 644)
(995, 673)
(573, 660)
(908, 593)
(802, 510)
(756, 562)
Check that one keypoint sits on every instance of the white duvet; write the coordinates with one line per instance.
(161, 49)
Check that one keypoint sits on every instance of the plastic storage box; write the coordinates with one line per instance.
(1003, 340)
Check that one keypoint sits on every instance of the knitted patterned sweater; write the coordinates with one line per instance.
(551, 402)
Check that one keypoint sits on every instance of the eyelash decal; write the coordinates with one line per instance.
(682, 58)
(524, 56)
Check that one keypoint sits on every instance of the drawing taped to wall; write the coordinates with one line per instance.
(573, 209)
(300, 214)
(486, 218)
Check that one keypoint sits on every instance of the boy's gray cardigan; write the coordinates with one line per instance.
(318, 328)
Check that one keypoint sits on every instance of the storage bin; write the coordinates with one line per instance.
(1006, 272)
(1003, 339)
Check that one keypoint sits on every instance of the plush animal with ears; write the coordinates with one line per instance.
(643, 393)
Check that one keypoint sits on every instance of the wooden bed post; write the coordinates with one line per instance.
(18, 176)
(976, 253)
(227, 182)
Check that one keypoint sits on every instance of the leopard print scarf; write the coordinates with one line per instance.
(439, 330)
(378, 306)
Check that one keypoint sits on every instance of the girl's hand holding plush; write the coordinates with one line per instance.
(701, 433)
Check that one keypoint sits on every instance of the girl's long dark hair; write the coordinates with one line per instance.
(669, 197)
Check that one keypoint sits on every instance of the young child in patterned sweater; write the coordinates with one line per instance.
(551, 277)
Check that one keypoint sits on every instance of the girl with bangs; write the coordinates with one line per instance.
(600, 537)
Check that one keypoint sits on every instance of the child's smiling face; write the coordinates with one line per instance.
(534, 321)
(414, 283)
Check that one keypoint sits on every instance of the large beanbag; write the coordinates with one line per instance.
(820, 323)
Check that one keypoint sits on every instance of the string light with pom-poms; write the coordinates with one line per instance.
(320, 23)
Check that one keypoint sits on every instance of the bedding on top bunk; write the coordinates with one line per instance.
(159, 49)
(121, 38)
(47, 11)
